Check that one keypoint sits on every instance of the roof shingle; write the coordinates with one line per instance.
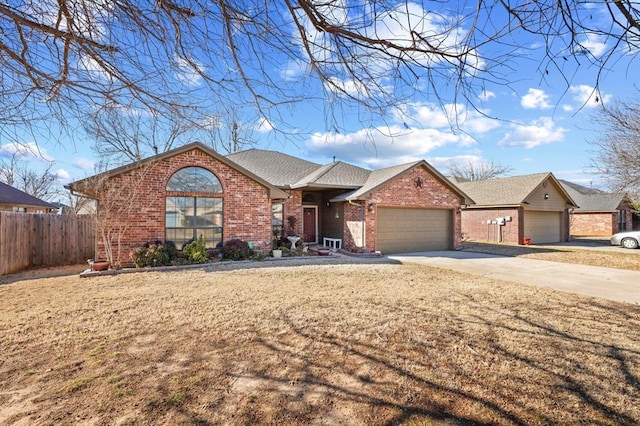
(593, 200)
(11, 195)
(502, 191)
(275, 167)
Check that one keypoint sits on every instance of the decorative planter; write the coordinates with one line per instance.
(324, 252)
(277, 253)
(100, 266)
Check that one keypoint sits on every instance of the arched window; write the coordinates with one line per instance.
(194, 179)
(198, 212)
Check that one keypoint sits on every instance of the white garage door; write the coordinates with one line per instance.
(404, 230)
(543, 227)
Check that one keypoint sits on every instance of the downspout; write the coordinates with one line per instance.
(95, 246)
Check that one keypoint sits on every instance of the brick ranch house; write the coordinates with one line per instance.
(529, 208)
(252, 195)
(600, 213)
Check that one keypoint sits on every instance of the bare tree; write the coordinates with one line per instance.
(478, 170)
(617, 151)
(41, 184)
(118, 208)
(228, 132)
(123, 136)
(62, 57)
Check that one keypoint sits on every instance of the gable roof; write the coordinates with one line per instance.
(378, 178)
(335, 175)
(86, 186)
(594, 200)
(13, 196)
(508, 191)
(274, 167)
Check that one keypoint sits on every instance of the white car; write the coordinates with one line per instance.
(627, 239)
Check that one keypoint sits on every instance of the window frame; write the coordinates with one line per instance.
(214, 233)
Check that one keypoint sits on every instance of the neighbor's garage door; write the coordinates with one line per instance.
(543, 227)
(403, 230)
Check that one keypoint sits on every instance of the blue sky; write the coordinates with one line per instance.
(539, 122)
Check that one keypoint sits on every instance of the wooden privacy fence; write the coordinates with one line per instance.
(28, 240)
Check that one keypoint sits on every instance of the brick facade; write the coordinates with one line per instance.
(133, 204)
(293, 207)
(402, 191)
(476, 228)
(602, 224)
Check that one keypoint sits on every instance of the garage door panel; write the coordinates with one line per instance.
(404, 230)
(543, 227)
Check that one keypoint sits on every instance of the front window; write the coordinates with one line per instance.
(277, 219)
(622, 220)
(197, 214)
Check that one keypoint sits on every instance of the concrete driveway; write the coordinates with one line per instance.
(607, 283)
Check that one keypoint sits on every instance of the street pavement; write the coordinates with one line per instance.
(608, 283)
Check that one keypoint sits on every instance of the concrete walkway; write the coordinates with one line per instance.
(608, 283)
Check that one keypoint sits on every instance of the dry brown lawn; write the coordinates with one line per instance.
(328, 343)
(619, 259)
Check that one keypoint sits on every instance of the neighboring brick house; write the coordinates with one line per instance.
(253, 195)
(600, 213)
(520, 209)
(14, 200)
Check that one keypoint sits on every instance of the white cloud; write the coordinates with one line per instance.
(211, 122)
(293, 70)
(385, 146)
(350, 87)
(535, 98)
(189, 71)
(417, 130)
(595, 44)
(486, 95)
(93, 68)
(588, 96)
(62, 174)
(264, 126)
(84, 163)
(539, 132)
(400, 24)
(24, 151)
(450, 116)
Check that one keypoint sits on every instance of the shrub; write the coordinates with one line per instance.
(171, 249)
(236, 250)
(195, 251)
(154, 253)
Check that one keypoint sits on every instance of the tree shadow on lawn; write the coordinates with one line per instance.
(457, 354)
(489, 366)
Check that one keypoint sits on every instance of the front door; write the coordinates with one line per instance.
(310, 224)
